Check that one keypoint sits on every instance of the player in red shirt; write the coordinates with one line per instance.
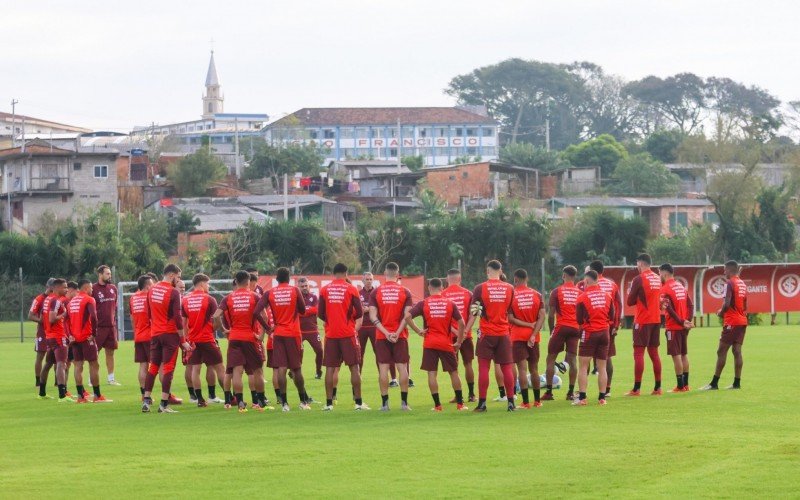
(105, 294)
(645, 294)
(595, 312)
(198, 307)
(679, 313)
(308, 324)
(462, 299)
(564, 330)
(286, 303)
(340, 308)
(166, 331)
(734, 326)
(82, 316)
(491, 302)
(40, 342)
(388, 306)
(140, 322)
(527, 318)
(438, 315)
(53, 313)
(236, 318)
(611, 288)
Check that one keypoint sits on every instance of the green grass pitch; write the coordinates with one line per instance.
(724, 444)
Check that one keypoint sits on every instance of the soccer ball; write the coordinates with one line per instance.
(562, 367)
(556, 381)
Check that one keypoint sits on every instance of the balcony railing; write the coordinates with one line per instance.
(48, 184)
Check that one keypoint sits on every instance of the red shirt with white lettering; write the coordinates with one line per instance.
(391, 300)
(526, 306)
(645, 294)
(438, 314)
(594, 309)
(198, 308)
(287, 304)
(462, 298)
(82, 315)
(339, 308)
(164, 305)
(736, 293)
(140, 316)
(36, 308)
(54, 303)
(563, 300)
(238, 308)
(676, 304)
(496, 297)
(610, 287)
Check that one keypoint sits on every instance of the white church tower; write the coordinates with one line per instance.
(212, 101)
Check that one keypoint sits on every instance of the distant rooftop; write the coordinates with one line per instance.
(383, 116)
(631, 202)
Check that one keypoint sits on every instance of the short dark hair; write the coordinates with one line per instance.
(101, 269)
(82, 283)
(644, 257)
(667, 267)
(393, 267)
(453, 272)
(200, 278)
(252, 276)
(282, 275)
(339, 268)
(302, 279)
(435, 283)
(241, 278)
(597, 266)
(73, 285)
(153, 276)
(494, 264)
(171, 268)
(59, 281)
(251, 270)
(142, 281)
(521, 274)
(591, 274)
(732, 264)
(570, 271)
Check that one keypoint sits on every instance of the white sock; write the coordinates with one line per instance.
(110, 377)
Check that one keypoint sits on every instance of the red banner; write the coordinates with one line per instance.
(416, 284)
(786, 283)
(759, 289)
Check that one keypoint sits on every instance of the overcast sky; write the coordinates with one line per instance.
(109, 65)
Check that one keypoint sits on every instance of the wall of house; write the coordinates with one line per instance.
(659, 218)
(90, 190)
(197, 241)
(471, 181)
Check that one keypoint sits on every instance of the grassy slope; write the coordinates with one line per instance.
(720, 444)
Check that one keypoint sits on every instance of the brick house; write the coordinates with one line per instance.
(458, 184)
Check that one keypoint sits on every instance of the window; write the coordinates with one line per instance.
(488, 132)
(76, 165)
(101, 171)
(711, 217)
(210, 107)
(442, 132)
(328, 134)
(393, 152)
(362, 133)
(464, 175)
(423, 132)
(682, 220)
(472, 151)
(472, 132)
(459, 132)
(312, 134)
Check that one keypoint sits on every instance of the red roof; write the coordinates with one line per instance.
(35, 149)
(384, 116)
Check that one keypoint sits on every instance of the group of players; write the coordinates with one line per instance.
(584, 316)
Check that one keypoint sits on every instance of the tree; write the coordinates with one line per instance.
(675, 250)
(524, 154)
(741, 111)
(663, 145)
(182, 222)
(273, 162)
(603, 151)
(602, 234)
(521, 94)
(432, 206)
(641, 175)
(678, 99)
(194, 173)
(772, 219)
(414, 163)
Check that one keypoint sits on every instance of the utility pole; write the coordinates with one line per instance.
(399, 147)
(13, 122)
(286, 197)
(236, 147)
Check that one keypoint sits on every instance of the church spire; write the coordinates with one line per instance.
(212, 100)
(211, 76)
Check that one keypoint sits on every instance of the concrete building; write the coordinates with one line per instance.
(39, 177)
(696, 176)
(438, 134)
(666, 216)
(481, 184)
(14, 127)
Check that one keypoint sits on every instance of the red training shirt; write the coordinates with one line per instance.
(82, 315)
(54, 303)
(594, 309)
(164, 306)
(645, 294)
(438, 314)
(287, 304)
(562, 300)
(339, 308)
(736, 295)
(496, 297)
(198, 308)
(526, 306)
(391, 300)
(238, 308)
(462, 298)
(676, 303)
(140, 316)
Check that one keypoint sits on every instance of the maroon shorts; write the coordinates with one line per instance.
(287, 352)
(39, 344)
(612, 346)
(364, 335)
(733, 335)
(676, 342)
(466, 351)
(563, 337)
(268, 357)
(57, 348)
(205, 353)
(164, 350)
(341, 350)
(387, 353)
(84, 351)
(244, 353)
(313, 339)
(647, 335)
(106, 337)
(594, 345)
(431, 358)
(495, 347)
(521, 352)
(141, 352)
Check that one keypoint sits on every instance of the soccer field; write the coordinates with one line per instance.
(722, 444)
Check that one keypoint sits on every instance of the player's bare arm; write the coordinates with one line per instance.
(460, 333)
(373, 316)
(409, 320)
